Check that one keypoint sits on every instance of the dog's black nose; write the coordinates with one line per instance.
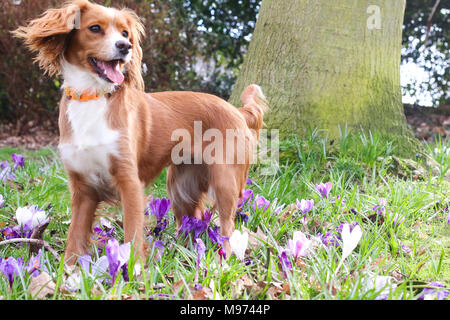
(123, 46)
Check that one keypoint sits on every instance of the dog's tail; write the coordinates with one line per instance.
(254, 104)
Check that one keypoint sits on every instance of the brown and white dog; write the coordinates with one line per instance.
(115, 138)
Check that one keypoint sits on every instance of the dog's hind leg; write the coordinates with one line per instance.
(187, 186)
(227, 190)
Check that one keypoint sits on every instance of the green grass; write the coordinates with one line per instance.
(361, 171)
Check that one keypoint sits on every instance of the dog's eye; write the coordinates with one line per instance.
(125, 34)
(95, 29)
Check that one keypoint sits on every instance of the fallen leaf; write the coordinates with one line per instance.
(202, 294)
(237, 289)
(42, 286)
(255, 240)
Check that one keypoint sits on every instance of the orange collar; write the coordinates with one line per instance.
(86, 95)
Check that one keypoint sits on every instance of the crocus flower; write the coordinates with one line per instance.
(305, 205)
(31, 217)
(249, 181)
(261, 203)
(434, 294)
(217, 240)
(159, 208)
(324, 189)
(158, 245)
(298, 245)
(242, 216)
(329, 238)
(397, 220)
(285, 263)
(200, 247)
(238, 243)
(381, 284)
(7, 174)
(189, 224)
(34, 265)
(118, 256)
(2, 201)
(4, 164)
(381, 207)
(247, 196)
(95, 270)
(350, 239)
(102, 232)
(19, 160)
(11, 267)
(405, 248)
(277, 209)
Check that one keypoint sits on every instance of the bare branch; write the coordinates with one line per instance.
(32, 241)
(430, 20)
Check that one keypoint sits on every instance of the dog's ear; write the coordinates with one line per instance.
(48, 34)
(137, 31)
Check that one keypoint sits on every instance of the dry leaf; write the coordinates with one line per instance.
(255, 240)
(202, 294)
(288, 212)
(237, 288)
(42, 286)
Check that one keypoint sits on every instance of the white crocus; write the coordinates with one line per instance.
(350, 239)
(382, 284)
(238, 242)
(32, 217)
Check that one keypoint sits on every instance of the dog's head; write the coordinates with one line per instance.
(103, 41)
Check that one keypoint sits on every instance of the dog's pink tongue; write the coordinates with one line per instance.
(112, 72)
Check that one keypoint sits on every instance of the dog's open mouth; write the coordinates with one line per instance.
(108, 70)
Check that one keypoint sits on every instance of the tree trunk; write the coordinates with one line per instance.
(329, 64)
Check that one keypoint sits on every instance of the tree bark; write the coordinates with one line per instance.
(329, 64)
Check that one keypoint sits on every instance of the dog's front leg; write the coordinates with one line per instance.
(132, 197)
(84, 203)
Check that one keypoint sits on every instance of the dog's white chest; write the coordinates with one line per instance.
(93, 142)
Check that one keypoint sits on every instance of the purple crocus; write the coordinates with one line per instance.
(4, 164)
(433, 293)
(324, 189)
(95, 270)
(189, 224)
(405, 248)
(284, 261)
(305, 205)
(249, 181)
(159, 208)
(261, 203)
(19, 161)
(34, 265)
(217, 240)
(11, 267)
(157, 245)
(118, 256)
(381, 207)
(200, 248)
(242, 215)
(7, 174)
(330, 238)
(102, 233)
(247, 196)
(397, 220)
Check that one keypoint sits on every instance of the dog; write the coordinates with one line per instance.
(115, 138)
